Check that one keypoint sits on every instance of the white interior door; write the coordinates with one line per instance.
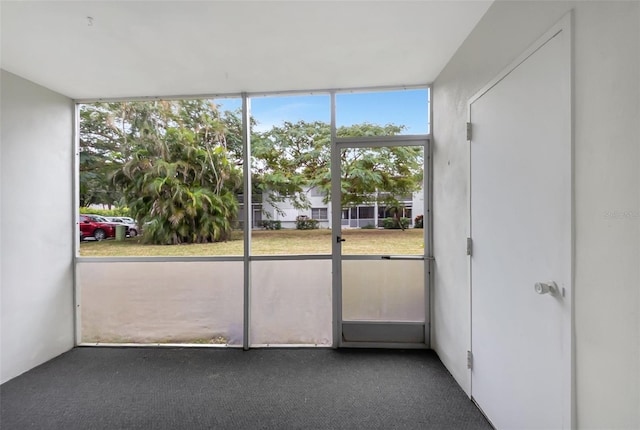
(521, 226)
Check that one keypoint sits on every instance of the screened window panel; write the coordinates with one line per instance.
(387, 290)
(161, 302)
(291, 303)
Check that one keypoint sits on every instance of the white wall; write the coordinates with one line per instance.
(288, 219)
(607, 187)
(36, 224)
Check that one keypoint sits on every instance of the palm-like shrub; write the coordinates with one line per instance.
(180, 183)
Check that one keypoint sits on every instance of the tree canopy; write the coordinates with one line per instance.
(178, 165)
(292, 158)
(177, 174)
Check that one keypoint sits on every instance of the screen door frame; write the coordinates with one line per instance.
(379, 334)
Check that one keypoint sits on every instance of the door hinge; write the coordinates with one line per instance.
(469, 131)
(469, 360)
(469, 246)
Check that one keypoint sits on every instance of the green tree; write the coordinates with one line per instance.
(179, 177)
(103, 149)
(290, 159)
(177, 164)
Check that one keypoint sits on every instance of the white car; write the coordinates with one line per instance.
(129, 222)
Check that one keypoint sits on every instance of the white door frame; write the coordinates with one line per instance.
(565, 24)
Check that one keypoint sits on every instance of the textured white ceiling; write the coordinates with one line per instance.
(164, 48)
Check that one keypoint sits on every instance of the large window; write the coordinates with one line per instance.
(168, 173)
(291, 159)
(382, 113)
(169, 228)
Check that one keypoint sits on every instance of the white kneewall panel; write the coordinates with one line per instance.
(607, 194)
(36, 224)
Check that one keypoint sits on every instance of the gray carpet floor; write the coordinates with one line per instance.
(202, 388)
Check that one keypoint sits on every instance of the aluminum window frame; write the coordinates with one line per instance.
(334, 216)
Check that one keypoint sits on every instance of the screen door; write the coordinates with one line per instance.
(379, 263)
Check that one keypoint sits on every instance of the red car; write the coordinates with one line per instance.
(97, 227)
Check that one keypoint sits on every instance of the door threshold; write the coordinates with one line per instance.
(383, 345)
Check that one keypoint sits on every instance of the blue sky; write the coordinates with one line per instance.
(408, 108)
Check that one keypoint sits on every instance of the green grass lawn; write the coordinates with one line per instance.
(272, 242)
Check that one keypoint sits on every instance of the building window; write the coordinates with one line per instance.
(365, 212)
(319, 213)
